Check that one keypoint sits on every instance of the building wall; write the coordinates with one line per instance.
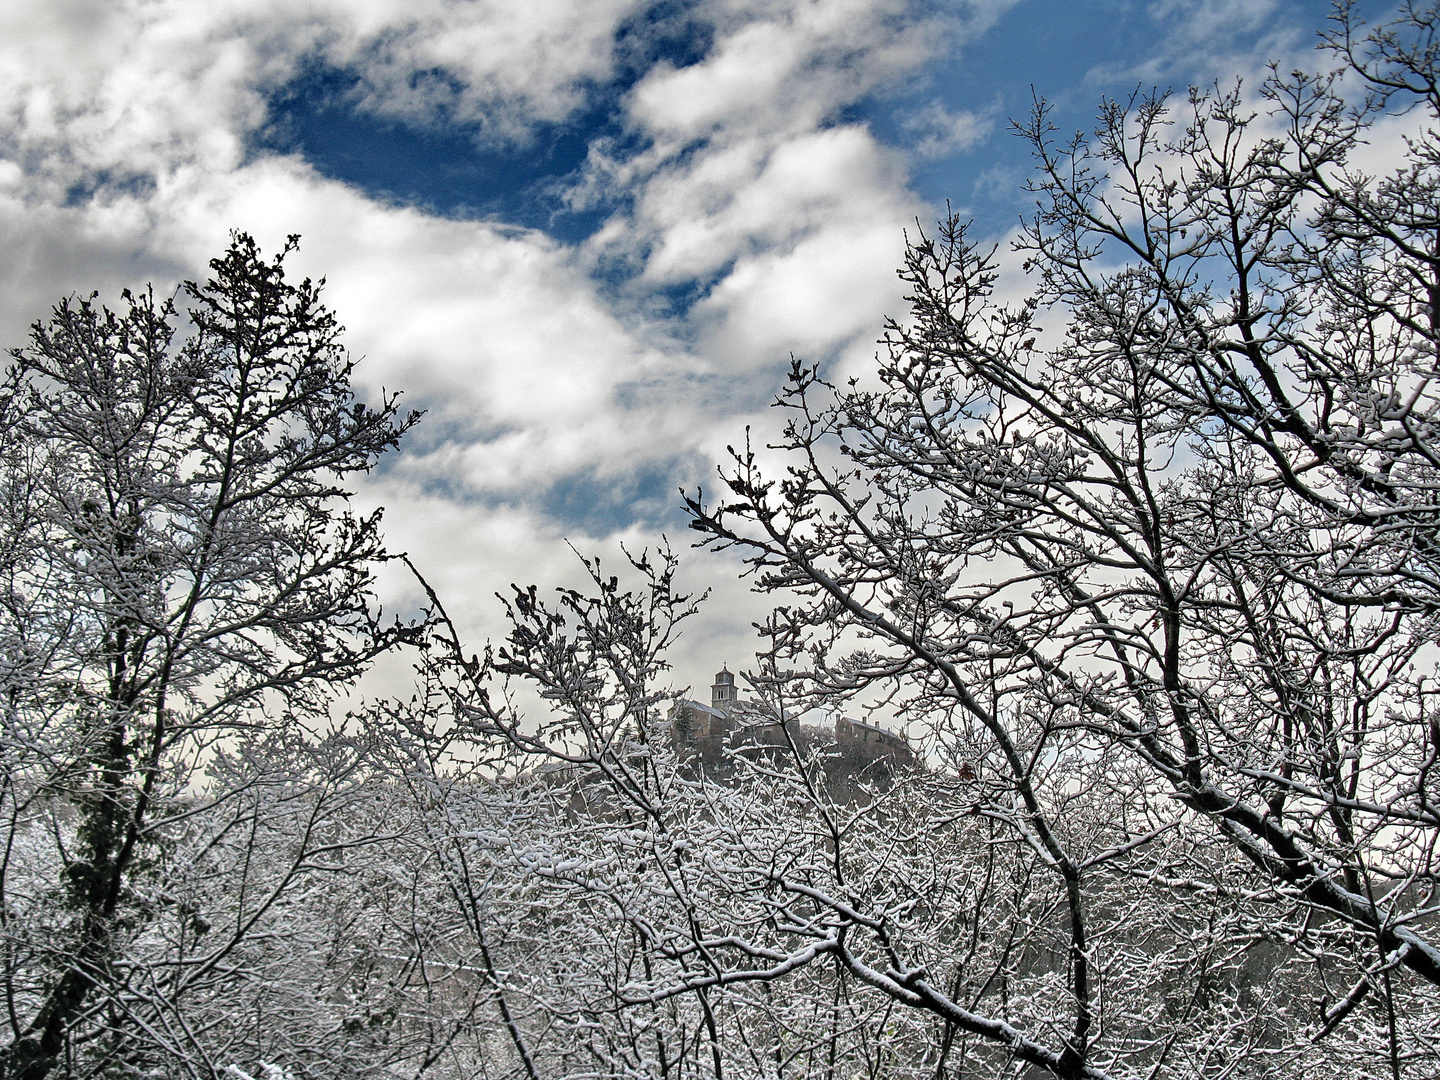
(864, 756)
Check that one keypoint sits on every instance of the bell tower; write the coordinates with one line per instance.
(722, 692)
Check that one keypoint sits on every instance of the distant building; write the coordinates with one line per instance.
(871, 742)
(856, 757)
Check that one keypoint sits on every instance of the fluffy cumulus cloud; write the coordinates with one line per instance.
(744, 209)
(503, 65)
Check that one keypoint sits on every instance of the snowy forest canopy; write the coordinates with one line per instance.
(1144, 560)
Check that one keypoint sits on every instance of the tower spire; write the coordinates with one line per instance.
(722, 692)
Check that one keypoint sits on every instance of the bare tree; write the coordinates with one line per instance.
(181, 577)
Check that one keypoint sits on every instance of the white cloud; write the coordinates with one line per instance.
(1202, 20)
(496, 330)
(832, 289)
(752, 188)
(835, 178)
(939, 132)
(782, 66)
(500, 64)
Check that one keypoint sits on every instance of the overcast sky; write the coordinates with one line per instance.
(584, 235)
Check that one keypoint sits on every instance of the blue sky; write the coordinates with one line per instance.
(585, 235)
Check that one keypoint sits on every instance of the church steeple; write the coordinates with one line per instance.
(722, 693)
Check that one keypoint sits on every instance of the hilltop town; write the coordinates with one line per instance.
(856, 756)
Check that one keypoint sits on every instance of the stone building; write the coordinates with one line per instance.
(856, 756)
